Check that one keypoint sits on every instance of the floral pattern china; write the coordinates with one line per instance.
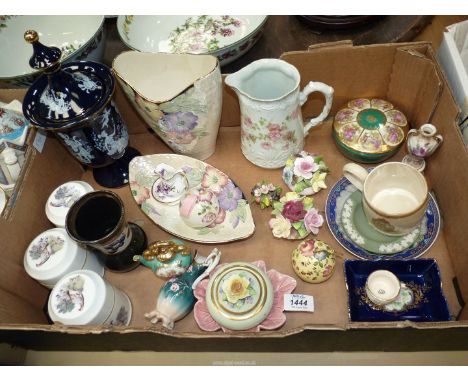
(369, 130)
(239, 291)
(295, 217)
(233, 220)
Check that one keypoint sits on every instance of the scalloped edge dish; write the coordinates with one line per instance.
(235, 221)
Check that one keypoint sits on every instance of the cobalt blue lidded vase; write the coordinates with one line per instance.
(74, 101)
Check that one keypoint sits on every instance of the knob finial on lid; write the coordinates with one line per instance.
(43, 57)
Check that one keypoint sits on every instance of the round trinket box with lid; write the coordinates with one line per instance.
(239, 296)
(62, 198)
(369, 130)
(74, 101)
(53, 254)
(314, 261)
(85, 298)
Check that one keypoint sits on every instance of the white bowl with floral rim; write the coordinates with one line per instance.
(234, 220)
(226, 37)
(79, 38)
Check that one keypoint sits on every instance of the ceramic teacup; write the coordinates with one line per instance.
(394, 196)
(382, 287)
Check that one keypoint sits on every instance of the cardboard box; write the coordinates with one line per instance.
(407, 75)
(453, 56)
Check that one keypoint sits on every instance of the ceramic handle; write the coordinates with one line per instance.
(327, 91)
(355, 174)
(211, 262)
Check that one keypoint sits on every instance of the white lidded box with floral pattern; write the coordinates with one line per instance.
(85, 298)
(53, 254)
(178, 95)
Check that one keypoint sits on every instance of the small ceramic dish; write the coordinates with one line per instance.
(170, 186)
(369, 130)
(420, 299)
(241, 313)
(342, 190)
(62, 198)
(79, 38)
(234, 220)
(226, 37)
(362, 233)
(85, 298)
(13, 126)
(382, 287)
(53, 254)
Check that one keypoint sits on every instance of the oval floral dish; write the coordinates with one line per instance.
(282, 284)
(226, 37)
(234, 220)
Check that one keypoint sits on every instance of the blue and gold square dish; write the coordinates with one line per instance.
(421, 298)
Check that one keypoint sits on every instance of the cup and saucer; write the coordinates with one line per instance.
(382, 213)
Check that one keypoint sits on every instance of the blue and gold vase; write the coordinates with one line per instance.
(74, 101)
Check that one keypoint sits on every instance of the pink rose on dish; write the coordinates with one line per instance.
(294, 211)
(313, 221)
(219, 218)
(209, 217)
(305, 167)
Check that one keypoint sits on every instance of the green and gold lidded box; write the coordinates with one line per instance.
(369, 130)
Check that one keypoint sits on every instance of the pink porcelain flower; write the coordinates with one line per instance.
(214, 179)
(307, 248)
(305, 167)
(313, 221)
(282, 284)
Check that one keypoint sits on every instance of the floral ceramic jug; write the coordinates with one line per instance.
(270, 104)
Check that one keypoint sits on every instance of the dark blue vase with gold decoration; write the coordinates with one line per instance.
(74, 101)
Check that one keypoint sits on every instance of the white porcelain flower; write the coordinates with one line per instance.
(280, 226)
(305, 167)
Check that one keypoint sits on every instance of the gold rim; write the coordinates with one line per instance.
(252, 312)
(114, 70)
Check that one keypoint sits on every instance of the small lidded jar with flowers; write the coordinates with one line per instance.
(314, 261)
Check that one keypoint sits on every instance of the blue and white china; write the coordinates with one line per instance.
(176, 298)
(74, 101)
(78, 37)
(336, 199)
(420, 298)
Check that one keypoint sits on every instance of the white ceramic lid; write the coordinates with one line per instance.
(51, 255)
(239, 296)
(62, 198)
(78, 298)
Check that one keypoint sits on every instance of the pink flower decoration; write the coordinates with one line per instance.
(274, 135)
(305, 167)
(282, 284)
(313, 221)
(248, 121)
(214, 179)
(140, 193)
(174, 287)
(273, 127)
(266, 145)
(307, 248)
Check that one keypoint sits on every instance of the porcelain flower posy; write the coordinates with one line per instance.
(305, 173)
(295, 217)
(264, 194)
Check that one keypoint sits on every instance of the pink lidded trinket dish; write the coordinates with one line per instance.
(242, 296)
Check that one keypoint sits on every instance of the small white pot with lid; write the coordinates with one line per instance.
(85, 298)
(62, 198)
(53, 254)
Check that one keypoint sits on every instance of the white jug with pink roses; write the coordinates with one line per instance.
(270, 102)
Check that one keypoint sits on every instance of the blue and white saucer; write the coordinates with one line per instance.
(336, 199)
